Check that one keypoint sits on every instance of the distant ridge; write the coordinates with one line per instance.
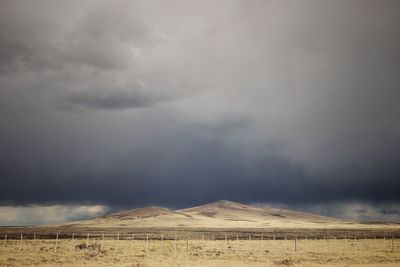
(220, 214)
(227, 209)
(221, 204)
(138, 213)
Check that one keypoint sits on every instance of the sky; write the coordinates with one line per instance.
(107, 105)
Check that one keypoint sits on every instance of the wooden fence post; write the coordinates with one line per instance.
(392, 243)
(306, 243)
(117, 242)
(187, 244)
(384, 241)
(5, 240)
(73, 234)
(176, 240)
(262, 242)
(162, 244)
(20, 245)
(249, 248)
(87, 240)
(147, 242)
(295, 243)
(286, 246)
(55, 245)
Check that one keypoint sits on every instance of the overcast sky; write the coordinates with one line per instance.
(108, 104)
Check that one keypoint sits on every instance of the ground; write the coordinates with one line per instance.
(206, 252)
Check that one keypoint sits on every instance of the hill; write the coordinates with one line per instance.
(221, 214)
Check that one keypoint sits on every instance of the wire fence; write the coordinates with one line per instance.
(387, 242)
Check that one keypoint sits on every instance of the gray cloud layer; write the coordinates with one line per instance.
(36, 214)
(181, 102)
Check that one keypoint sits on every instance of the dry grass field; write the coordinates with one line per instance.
(223, 233)
(207, 252)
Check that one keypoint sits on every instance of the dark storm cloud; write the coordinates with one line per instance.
(390, 211)
(146, 102)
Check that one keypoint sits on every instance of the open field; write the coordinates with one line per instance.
(217, 234)
(200, 252)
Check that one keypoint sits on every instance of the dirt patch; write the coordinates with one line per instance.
(208, 213)
(284, 262)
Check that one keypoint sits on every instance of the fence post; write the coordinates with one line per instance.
(392, 243)
(295, 243)
(34, 242)
(87, 240)
(237, 243)
(285, 245)
(73, 234)
(20, 245)
(147, 242)
(176, 238)
(162, 244)
(187, 244)
(5, 240)
(55, 246)
(384, 241)
(117, 242)
(249, 248)
(306, 243)
(262, 242)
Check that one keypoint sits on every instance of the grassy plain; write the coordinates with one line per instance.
(231, 252)
(223, 233)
